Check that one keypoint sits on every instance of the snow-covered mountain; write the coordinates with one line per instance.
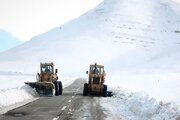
(124, 35)
(136, 40)
(7, 41)
(128, 36)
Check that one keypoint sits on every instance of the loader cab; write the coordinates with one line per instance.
(96, 74)
(47, 73)
(47, 68)
(96, 69)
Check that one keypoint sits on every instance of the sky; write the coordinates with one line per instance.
(25, 19)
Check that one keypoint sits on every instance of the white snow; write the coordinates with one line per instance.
(66, 81)
(137, 106)
(10, 97)
(163, 87)
(177, 1)
(136, 40)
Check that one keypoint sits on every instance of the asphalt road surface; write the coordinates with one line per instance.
(69, 106)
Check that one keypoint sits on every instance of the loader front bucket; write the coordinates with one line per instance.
(42, 88)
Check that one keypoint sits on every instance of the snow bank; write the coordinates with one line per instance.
(162, 86)
(138, 106)
(15, 95)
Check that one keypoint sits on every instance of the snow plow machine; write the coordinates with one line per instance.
(47, 84)
(96, 79)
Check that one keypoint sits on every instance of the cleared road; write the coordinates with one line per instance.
(71, 105)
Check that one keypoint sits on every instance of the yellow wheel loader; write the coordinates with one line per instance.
(47, 81)
(96, 81)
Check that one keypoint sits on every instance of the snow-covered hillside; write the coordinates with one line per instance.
(7, 41)
(136, 40)
(128, 36)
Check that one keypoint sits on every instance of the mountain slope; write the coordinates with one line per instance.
(136, 40)
(7, 41)
(125, 35)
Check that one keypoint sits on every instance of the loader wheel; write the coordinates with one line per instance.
(85, 90)
(104, 91)
(60, 88)
(56, 88)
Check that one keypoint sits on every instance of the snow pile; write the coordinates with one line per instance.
(16, 95)
(138, 106)
(161, 86)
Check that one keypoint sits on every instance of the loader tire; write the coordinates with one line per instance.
(60, 88)
(85, 90)
(56, 88)
(104, 91)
